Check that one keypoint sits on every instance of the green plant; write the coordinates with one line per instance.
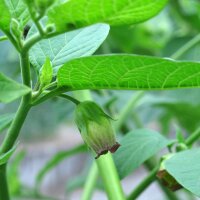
(62, 37)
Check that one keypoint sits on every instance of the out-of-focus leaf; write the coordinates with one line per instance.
(11, 90)
(184, 167)
(5, 120)
(59, 157)
(14, 175)
(62, 48)
(136, 147)
(79, 13)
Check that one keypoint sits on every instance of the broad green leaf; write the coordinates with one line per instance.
(5, 156)
(68, 46)
(19, 11)
(128, 72)
(46, 73)
(81, 13)
(136, 147)
(5, 120)
(4, 17)
(11, 90)
(184, 167)
(59, 157)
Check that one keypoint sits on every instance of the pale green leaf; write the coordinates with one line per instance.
(136, 147)
(129, 72)
(4, 17)
(5, 156)
(81, 13)
(184, 167)
(11, 90)
(46, 73)
(5, 120)
(68, 46)
(19, 11)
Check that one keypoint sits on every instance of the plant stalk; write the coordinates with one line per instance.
(4, 194)
(186, 47)
(17, 123)
(90, 183)
(193, 137)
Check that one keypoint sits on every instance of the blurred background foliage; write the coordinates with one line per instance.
(162, 36)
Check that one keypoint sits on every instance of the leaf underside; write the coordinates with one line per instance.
(68, 46)
(136, 147)
(184, 167)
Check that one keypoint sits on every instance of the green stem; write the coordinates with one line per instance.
(4, 194)
(144, 184)
(17, 123)
(23, 109)
(110, 177)
(186, 47)
(90, 183)
(65, 96)
(193, 137)
(48, 95)
(105, 164)
(127, 109)
(13, 41)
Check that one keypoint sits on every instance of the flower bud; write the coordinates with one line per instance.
(95, 128)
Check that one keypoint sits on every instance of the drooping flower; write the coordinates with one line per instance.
(96, 128)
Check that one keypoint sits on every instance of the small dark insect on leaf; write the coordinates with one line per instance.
(26, 30)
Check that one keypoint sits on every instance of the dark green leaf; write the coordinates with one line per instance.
(184, 167)
(79, 13)
(136, 147)
(5, 120)
(128, 72)
(11, 90)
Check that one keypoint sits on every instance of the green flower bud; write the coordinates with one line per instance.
(95, 128)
